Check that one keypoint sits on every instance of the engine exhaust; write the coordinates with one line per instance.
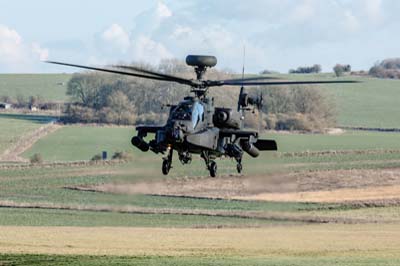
(250, 149)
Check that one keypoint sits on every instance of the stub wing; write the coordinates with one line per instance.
(260, 144)
(237, 133)
(148, 129)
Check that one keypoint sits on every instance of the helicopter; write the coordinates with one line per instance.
(195, 125)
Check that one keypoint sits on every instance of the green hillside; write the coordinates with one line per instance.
(371, 103)
(49, 86)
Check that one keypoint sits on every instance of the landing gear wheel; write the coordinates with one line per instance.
(166, 166)
(213, 169)
(239, 168)
(167, 162)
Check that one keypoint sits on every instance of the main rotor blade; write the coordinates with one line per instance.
(154, 73)
(247, 79)
(113, 71)
(277, 83)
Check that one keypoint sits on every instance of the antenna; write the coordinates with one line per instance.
(244, 61)
(242, 87)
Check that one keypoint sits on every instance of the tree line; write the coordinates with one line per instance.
(388, 68)
(306, 69)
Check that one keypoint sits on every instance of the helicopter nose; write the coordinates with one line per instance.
(176, 133)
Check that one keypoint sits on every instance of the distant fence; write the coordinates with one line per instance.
(335, 152)
(378, 129)
(60, 164)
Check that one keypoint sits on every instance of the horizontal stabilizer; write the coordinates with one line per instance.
(266, 145)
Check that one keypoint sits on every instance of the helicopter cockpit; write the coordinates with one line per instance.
(190, 111)
(183, 111)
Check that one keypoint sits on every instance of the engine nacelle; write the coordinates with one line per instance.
(245, 100)
(226, 118)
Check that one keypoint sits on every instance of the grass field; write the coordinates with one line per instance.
(46, 186)
(71, 227)
(133, 241)
(351, 140)
(82, 143)
(278, 233)
(46, 218)
(51, 87)
(49, 217)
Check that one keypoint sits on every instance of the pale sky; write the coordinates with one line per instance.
(277, 34)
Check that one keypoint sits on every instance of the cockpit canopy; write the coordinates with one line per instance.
(189, 111)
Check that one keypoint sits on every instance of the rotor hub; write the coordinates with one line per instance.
(200, 64)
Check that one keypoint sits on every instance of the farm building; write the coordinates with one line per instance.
(5, 105)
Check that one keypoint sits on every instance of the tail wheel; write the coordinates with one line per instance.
(213, 169)
(166, 166)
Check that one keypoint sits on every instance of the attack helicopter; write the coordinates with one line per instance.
(195, 125)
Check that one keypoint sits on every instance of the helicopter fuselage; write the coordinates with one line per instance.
(195, 126)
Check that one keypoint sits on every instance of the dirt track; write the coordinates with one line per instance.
(348, 195)
(12, 154)
(318, 186)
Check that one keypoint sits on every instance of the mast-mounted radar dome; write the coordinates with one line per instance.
(201, 60)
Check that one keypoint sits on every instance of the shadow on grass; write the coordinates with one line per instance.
(39, 119)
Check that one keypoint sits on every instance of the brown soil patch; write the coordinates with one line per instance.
(368, 240)
(221, 187)
(347, 195)
(316, 186)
